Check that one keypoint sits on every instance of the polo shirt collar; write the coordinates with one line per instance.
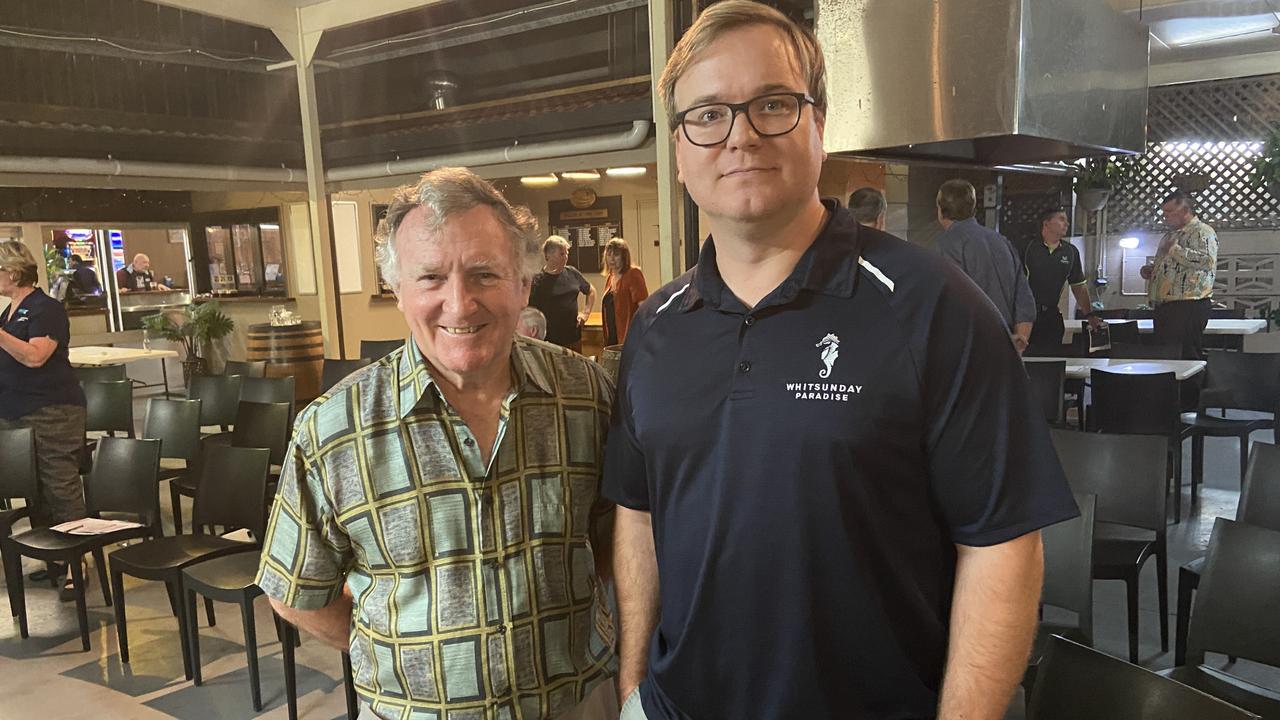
(414, 379)
(828, 265)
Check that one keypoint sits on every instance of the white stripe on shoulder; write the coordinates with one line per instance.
(876, 272)
(674, 295)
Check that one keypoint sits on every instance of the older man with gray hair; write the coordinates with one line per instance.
(435, 512)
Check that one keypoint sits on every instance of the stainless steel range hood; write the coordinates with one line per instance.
(983, 82)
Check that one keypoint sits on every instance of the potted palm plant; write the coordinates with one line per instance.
(194, 327)
(1098, 179)
(1266, 167)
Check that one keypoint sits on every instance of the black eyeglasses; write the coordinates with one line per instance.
(770, 116)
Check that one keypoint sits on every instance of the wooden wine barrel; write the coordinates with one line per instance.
(296, 350)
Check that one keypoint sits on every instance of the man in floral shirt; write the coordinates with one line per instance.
(1180, 281)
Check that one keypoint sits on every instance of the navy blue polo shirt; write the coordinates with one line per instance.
(809, 465)
(24, 390)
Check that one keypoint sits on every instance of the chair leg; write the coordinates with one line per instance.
(100, 562)
(1244, 456)
(208, 612)
(175, 498)
(290, 665)
(186, 617)
(193, 637)
(251, 652)
(1187, 582)
(17, 591)
(77, 577)
(349, 686)
(122, 629)
(1162, 576)
(1197, 464)
(1131, 595)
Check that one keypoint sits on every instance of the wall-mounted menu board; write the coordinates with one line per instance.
(587, 229)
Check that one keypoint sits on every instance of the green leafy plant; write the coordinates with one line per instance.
(1266, 167)
(1103, 173)
(193, 326)
(54, 263)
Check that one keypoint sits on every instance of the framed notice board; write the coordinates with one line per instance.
(587, 227)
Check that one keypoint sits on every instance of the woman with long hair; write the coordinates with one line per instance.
(624, 290)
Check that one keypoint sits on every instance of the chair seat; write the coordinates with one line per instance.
(1119, 555)
(1195, 566)
(1206, 424)
(227, 574)
(1241, 693)
(173, 552)
(186, 484)
(46, 540)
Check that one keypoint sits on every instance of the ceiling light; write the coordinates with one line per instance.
(1129, 243)
(626, 171)
(581, 175)
(1180, 32)
(540, 180)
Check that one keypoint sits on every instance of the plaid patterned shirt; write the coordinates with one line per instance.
(1185, 264)
(473, 578)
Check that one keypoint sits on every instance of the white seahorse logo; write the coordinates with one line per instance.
(830, 351)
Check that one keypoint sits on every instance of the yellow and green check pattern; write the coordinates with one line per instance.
(474, 582)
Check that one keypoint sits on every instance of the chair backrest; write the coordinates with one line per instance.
(18, 458)
(123, 480)
(263, 425)
(1075, 682)
(219, 396)
(1142, 351)
(1251, 380)
(101, 373)
(1138, 404)
(335, 370)
(1046, 387)
(1068, 564)
(1260, 490)
(267, 390)
(176, 424)
(245, 368)
(1235, 610)
(1126, 332)
(1126, 472)
(109, 406)
(232, 489)
(375, 350)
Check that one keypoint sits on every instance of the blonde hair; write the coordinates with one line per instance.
(446, 192)
(729, 15)
(17, 260)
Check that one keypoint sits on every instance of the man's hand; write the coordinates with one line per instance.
(1020, 342)
(582, 319)
(161, 286)
(1095, 322)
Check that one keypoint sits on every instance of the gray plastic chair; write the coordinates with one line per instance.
(245, 368)
(1080, 683)
(1068, 573)
(99, 373)
(1235, 614)
(18, 458)
(1127, 474)
(109, 407)
(1047, 386)
(1237, 381)
(219, 396)
(375, 350)
(335, 370)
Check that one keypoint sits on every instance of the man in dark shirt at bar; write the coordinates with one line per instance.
(986, 257)
(829, 471)
(555, 292)
(1050, 264)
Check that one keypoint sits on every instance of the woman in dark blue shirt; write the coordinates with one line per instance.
(37, 387)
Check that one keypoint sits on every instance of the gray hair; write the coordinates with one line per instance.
(533, 319)
(554, 241)
(445, 192)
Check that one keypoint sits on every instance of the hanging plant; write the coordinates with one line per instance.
(1266, 167)
(1099, 177)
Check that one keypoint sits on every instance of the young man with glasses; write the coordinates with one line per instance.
(829, 473)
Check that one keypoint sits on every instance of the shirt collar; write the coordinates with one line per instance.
(828, 265)
(414, 379)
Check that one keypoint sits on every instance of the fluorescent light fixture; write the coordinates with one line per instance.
(1180, 32)
(626, 171)
(540, 180)
(1129, 243)
(581, 175)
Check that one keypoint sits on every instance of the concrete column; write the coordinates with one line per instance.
(670, 194)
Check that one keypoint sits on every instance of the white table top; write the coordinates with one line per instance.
(1215, 327)
(102, 355)
(1078, 368)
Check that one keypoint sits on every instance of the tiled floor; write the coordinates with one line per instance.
(48, 676)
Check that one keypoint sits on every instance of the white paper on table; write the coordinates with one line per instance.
(94, 526)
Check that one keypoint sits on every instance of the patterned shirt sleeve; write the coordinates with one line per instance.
(306, 555)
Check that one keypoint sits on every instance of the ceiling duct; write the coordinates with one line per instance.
(983, 82)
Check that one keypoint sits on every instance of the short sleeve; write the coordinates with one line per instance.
(1077, 271)
(50, 321)
(625, 474)
(584, 287)
(993, 470)
(305, 555)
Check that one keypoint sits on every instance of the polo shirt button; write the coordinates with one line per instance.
(751, 320)
(744, 366)
(501, 629)
(468, 442)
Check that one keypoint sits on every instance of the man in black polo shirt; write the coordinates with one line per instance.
(823, 447)
(1052, 263)
(555, 292)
